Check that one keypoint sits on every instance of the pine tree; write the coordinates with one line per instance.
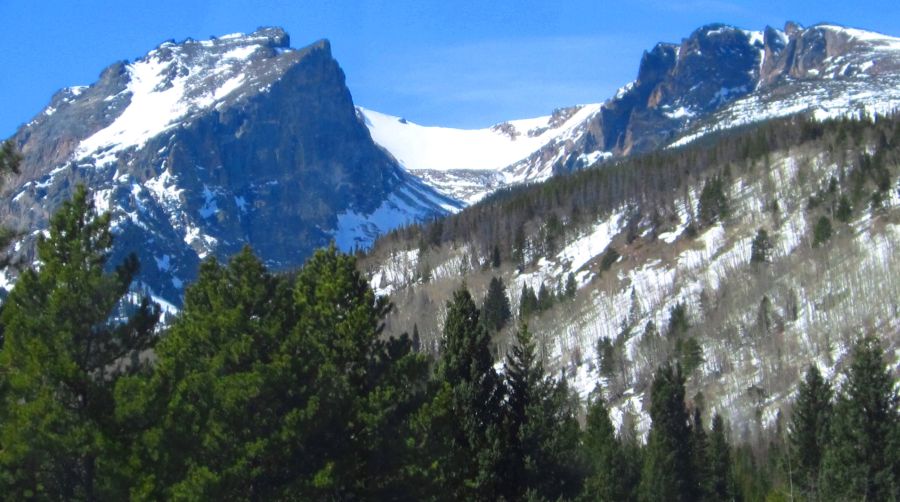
(416, 339)
(808, 431)
(719, 484)
(666, 473)
(862, 460)
(62, 353)
(463, 422)
(528, 302)
(844, 210)
(266, 390)
(699, 456)
(571, 286)
(542, 430)
(544, 298)
(9, 164)
(761, 248)
(713, 202)
(608, 476)
(496, 312)
(495, 257)
(822, 231)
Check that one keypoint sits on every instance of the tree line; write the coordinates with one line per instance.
(283, 387)
(526, 222)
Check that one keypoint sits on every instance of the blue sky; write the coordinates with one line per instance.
(458, 63)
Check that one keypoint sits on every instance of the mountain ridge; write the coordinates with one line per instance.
(718, 77)
(203, 147)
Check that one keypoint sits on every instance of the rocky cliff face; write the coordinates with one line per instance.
(721, 70)
(716, 78)
(202, 147)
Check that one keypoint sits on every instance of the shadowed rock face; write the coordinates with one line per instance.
(718, 64)
(200, 148)
(721, 76)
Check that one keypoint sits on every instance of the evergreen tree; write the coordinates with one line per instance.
(463, 423)
(542, 430)
(713, 202)
(608, 477)
(496, 312)
(544, 298)
(808, 431)
(761, 248)
(495, 257)
(719, 485)
(416, 339)
(690, 354)
(678, 320)
(9, 163)
(10, 158)
(528, 302)
(62, 352)
(699, 456)
(571, 286)
(267, 391)
(844, 210)
(862, 459)
(666, 474)
(822, 231)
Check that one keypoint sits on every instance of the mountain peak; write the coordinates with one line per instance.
(197, 146)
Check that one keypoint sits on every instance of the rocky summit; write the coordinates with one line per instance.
(719, 77)
(202, 147)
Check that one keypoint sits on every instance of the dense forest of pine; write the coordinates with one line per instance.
(283, 387)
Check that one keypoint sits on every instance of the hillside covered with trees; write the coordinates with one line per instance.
(283, 387)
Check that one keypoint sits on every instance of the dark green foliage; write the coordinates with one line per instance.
(808, 431)
(844, 211)
(541, 429)
(719, 484)
(678, 320)
(416, 339)
(610, 257)
(544, 298)
(9, 164)
(553, 231)
(528, 302)
(496, 312)
(606, 354)
(690, 354)
(699, 455)
(10, 158)
(62, 353)
(751, 481)
(264, 390)
(610, 477)
(822, 231)
(571, 286)
(463, 422)
(863, 460)
(667, 471)
(713, 202)
(495, 257)
(761, 248)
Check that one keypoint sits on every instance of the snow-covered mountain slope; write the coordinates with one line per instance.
(718, 78)
(827, 70)
(758, 324)
(202, 147)
(469, 163)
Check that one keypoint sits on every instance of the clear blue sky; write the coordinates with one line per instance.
(453, 62)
